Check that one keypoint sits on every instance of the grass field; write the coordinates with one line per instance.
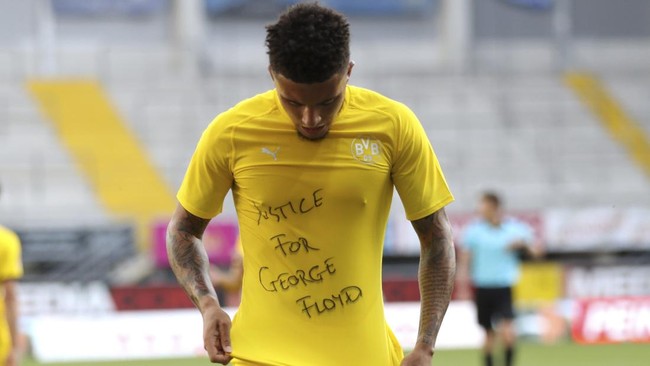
(529, 354)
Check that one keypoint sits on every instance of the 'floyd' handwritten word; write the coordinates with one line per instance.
(284, 211)
(347, 296)
(292, 246)
(285, 280)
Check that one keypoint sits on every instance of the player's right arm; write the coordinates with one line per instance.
(208, 179)
(189, 261)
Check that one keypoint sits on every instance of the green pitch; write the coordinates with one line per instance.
(529, 355)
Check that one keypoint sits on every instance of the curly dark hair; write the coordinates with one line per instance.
(309, 43)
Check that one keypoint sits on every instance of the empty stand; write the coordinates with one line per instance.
(39, 181)
(527, 135)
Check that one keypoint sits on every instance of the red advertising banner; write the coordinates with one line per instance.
(613, 320)
(150, 298)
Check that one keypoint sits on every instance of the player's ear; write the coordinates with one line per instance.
(350, 67)
(271, 73)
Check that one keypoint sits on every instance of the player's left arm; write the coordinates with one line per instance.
(11, 313)
(436, 279)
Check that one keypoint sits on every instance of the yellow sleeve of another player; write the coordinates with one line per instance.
(209, 175)
(416, 172)
(11, 266)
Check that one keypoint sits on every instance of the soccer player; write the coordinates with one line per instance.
(11, 269)
(312, 165)
(230, 280)
(492, 247)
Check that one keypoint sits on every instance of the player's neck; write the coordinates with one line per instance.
(495, 220)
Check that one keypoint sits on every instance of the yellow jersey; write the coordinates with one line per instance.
(313, 216)
(11, 268)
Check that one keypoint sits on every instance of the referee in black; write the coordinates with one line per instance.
(491, 250)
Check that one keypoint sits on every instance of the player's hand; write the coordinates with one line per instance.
(216, 333)
(421, 356)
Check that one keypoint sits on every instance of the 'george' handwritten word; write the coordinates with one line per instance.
(284, 211)
(292, 246)
(285, 280)
(347, 296)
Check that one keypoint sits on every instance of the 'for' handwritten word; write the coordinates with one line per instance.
(347, 295)
(285, 280)
(297, 207)
(292, 247)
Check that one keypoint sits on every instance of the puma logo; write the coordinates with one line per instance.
(274, 154)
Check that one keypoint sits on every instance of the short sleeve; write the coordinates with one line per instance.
(209, 174)
(416, 172)
(11, 266)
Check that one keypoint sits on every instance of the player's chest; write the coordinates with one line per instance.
(351, 168)
(285, 150)
(496, 239)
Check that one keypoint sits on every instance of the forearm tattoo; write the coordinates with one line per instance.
(187, 256)
(436, 273)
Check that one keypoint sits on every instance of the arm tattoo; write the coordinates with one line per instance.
(436, 273)
(187, 255)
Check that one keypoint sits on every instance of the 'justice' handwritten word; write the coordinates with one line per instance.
(292, 246)
(283, 211)
(285, 280)
(347, 296)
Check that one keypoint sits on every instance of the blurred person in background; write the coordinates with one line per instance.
(492, 247)
(230, 280)
(312, 165)
(11, 269)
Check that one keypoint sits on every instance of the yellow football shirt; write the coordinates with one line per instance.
(313, 216)
(11, 268)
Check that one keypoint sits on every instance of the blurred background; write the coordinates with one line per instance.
(546, 101)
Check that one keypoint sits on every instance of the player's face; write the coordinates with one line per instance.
(487, 210)
(312, 107)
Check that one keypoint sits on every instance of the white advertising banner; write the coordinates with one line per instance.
(607, 281)
(177, 333)
(40, 298)
(122, 335)
(597, 229)
(459, 328)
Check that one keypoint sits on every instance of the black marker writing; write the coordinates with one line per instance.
(284, 211)
(347, 296)
(292, 247)
(285, 281)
